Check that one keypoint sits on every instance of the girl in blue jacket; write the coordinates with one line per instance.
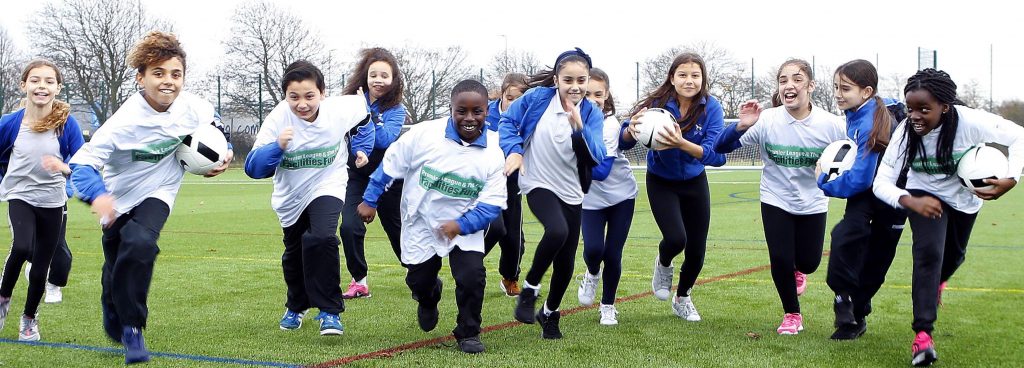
(676, 182)
(376, 74)
(35, 188)
(864, 241)
(552, 136)
(507, 229)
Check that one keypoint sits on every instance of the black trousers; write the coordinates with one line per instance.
(682, 210)
(557, 247)
(353, 230)
(311, 261)
(940, 247)
(470, 280)
(605, 247)
(129, 252)
(863, 247)
(36, 231)
(794, 244)
(507, 232)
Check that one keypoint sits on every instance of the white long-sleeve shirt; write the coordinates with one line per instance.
(134, 149)
(973, 127)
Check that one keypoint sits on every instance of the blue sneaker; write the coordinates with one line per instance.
(330, 324)
(291, 320)
(134, 345)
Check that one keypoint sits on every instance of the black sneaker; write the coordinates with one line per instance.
(850, 331)
(843, 307)
(471, 345)
(526, 305)
(549, 325)
(426, 314)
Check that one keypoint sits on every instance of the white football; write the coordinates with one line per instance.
(202, 151)
(653, 121)
(979, 163)
(837, 158)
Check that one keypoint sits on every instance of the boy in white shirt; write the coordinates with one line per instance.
(140, 179)
(455, 188)
(303, 145)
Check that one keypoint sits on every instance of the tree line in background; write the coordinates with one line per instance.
(90, 41)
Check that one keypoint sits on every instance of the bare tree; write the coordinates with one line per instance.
(511, 61)
(892, 86)
(90, 40)
(718, 61)
(264, 40)
(972, 95)
(429, 75)
(10, 72)
(824, 95)
(1012, 110)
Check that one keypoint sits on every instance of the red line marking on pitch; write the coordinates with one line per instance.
(388, 352)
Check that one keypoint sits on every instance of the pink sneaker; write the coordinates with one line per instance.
(792, 324)
(801, 282)
(923, 350)
(942, 287)
(356, 291)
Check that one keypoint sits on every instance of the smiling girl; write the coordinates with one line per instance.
(940, 130)
(552, 136)
(35, 142)
(791, 137)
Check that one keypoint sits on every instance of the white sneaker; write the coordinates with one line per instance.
(661, 282)
(29, 329)
(609, 315)
(683, 307)
(53, 294)
(588, 287)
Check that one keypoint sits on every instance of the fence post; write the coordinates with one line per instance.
(259, 98)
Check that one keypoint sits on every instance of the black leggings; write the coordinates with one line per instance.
(353, 230)
(863, 247)
(794, 244)
(940, 247)
(557, 247)
(682, 210)
(599, 247)
(507, 232)
(36, 231)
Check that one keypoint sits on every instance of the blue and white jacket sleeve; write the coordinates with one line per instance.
(858, 178)
(266, 154)
(509, 127)
(395, 165)
(70, 142)
(392, 121)
(87, 163)
(712, 129)
(489, 204)
(612, 134)
(729, 139)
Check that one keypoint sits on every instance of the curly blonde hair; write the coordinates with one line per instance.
(155, 47)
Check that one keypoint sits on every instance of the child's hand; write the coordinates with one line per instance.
(574, 114)
(223, 167)
(103, 206)
(450, 229)
(750, 111)
(926, 206)
(366, 212)
(54, 164)
(513, 163)
(361, 159)
(285, 138)
(999, 187)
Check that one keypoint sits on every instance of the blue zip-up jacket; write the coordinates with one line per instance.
(674, 164)
(70, 140)
(493, 114)
(472, 221)
(520, 120)
(388, 123)
(859, 178)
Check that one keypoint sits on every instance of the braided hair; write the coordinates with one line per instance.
(941, 86)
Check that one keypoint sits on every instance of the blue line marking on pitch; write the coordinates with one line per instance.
(198, 358)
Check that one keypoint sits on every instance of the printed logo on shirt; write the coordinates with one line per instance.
(930, 165)
(155, 152)
(316, 158)
(793, 156)
(450, 184)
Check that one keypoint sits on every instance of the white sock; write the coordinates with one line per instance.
(362, 282)
(547, 311)
(534, 287)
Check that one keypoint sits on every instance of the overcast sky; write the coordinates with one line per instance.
(623, 32)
